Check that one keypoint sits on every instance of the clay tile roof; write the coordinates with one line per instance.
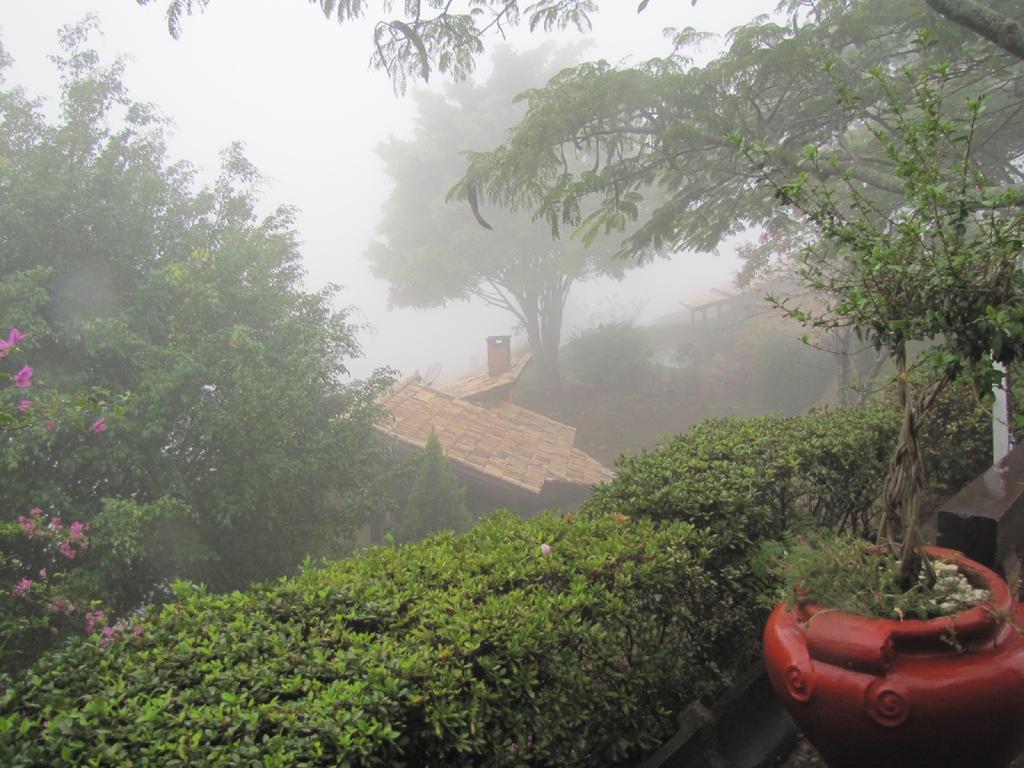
(482, 383)
(508, 443)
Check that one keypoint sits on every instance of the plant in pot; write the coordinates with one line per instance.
(890, 653)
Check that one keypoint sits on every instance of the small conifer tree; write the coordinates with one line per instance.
(437, 500)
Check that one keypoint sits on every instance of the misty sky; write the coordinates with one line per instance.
(297, 91)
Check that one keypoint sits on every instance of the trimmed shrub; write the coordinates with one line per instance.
(552, 642)
(762, 475)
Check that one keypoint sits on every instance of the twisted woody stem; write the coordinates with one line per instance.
(905, 481)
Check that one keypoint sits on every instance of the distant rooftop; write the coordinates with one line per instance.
(484, 383)
(505, 442)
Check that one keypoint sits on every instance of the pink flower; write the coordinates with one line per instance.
(28, 526)
(55, 524)
(67, 550)
(94, 620)
(22, 587)
(99, 425)
(545, 549)
(51, 425)
(77, 531)
(23, 378)
(42, 574)
(12, 341)
(24, 406)
(36, 511)
(56, 606)
(108, 636)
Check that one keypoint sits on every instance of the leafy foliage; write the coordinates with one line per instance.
(610, 357)
(666, 124)
(38, 580)
(449, 40)
(942, 268)
(453, 38)
(763, 475)
(242, 443)
(547, 643)
(436, 501)
(431, 253)
(855, 576)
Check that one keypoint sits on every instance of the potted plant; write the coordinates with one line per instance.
(894, 654)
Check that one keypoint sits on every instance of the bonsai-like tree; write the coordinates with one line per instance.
(942, 267)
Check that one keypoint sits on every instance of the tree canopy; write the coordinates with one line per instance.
(431, 253)
(243, 448)
(667, 123)
(433, 35)
(671, 125)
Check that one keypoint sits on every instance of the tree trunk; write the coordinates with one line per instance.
(905, 481)
(551, 344)
(542, 316)
(545, 359)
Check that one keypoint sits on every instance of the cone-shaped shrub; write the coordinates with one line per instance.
(436, 502)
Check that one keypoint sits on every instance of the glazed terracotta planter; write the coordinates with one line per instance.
(880, 693)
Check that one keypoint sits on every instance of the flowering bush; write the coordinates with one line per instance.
(37, 593)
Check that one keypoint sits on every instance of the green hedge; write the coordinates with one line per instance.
(472, 650)
(763, 474)
(465, 650)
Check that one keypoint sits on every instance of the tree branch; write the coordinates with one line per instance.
(497, 298)
(1000, 30)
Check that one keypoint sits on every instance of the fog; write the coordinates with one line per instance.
(297, 91)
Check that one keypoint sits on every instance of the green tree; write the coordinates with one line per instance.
(431, 253)
(668, 125)
(437, 501)
(942, 269)
(243, 448)
(451, 39)
(665, 124)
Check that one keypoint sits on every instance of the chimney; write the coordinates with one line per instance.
(499, 355)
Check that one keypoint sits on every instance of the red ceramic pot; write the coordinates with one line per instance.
(880, 693)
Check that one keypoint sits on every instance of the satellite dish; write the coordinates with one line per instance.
(432, 373)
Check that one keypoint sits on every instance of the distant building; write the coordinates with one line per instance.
(505, 455)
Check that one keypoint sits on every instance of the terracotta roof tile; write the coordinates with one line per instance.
(482, 383)
(512, 444)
